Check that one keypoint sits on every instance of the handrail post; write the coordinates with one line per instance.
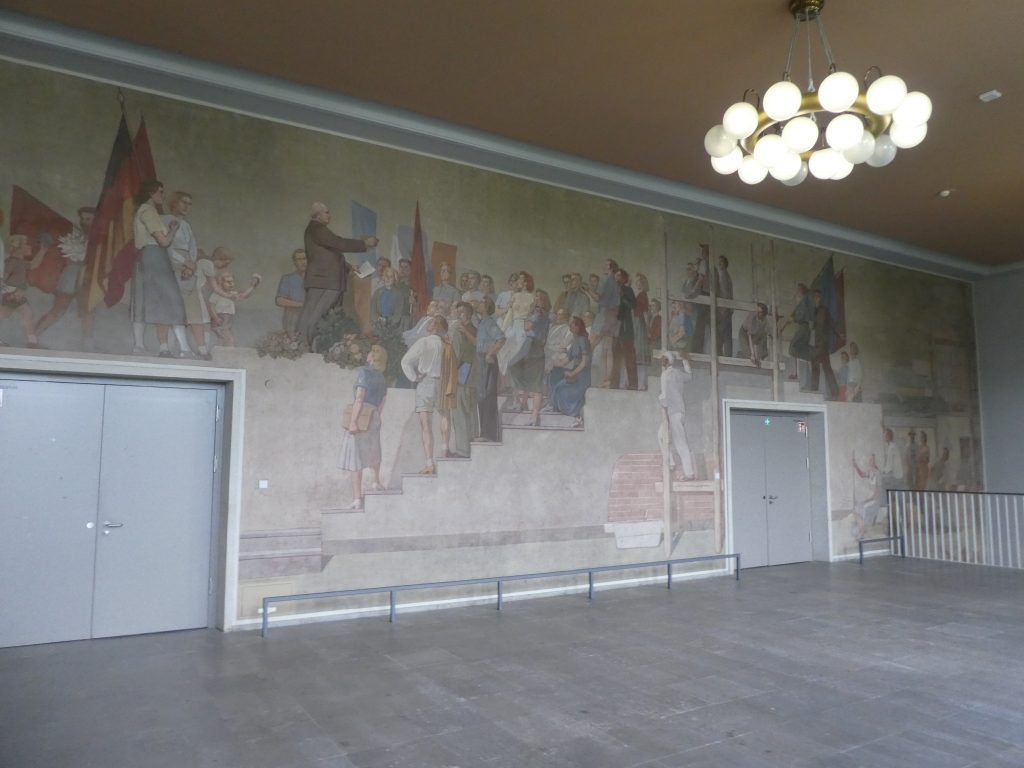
(737, 566)
(860, 550)
(903, 547)
(499, 594)
(590, 585)
(670, 575)
(263, 625)
(391, 614)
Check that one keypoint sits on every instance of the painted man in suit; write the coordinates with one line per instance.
(326, 268)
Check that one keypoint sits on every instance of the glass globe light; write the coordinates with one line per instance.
(838, 91)
(769, 149)
(751, 171)
(844, 170)
(740, 120)
(782, 101)
(886, 94)
(718, 143)
(788, 166)
(844, 131)
(915, 110)
(800, 134)
(728, 164)
(824, 163)
(885, 152)
(862, 150)
(798, 178)
(906, 137)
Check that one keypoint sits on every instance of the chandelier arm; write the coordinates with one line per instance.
(810, 67)
(825, 45)
(792, 47)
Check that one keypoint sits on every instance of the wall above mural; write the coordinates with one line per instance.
(420, 311)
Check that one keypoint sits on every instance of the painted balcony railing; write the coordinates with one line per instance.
(960, 527)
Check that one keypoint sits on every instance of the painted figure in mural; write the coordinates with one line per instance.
(723, 317)
(677, 325)
(428, 361)
(389, 307)
(156, 299)
(326, 270)
(564, 295)
(577, 301)
(422, 327)
(72, 248)
(641, 335)
(694, 287)
(606, 319)
(513, 324)
(592, 289)
(821, 341)
(675, 372)
(222, 304)
(526, 374)
(360, 448)
(184, 254)
(473, 293)
(937, 474)
(487, 287)
(569, 394)
(842, 373)
(854, 375)
(892, 464)
(14, 286)
(465, 420)
(754, 335)
(654, 326)
(910, 459)
(291, 293)
(556, 354)
(868, 510)
(624, 343)
(444, 290)
(504, 299)
(922, 464)
(800, 344)
(489, 339)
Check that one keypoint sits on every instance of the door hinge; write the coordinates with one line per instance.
(216, 463)
(217, 417)
(808, 460)
(209, 590)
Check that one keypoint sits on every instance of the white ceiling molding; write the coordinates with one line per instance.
(31, 41)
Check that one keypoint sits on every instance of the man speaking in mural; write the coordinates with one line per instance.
(326, 268)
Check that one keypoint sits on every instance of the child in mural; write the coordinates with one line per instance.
(16, 265)
(360, 445)
(223, 294)
(569, 394)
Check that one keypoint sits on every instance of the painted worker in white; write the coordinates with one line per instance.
(675, 372)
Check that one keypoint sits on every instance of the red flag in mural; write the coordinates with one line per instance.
(418, 278)
(116, 248)
(97, 256)
(42, 225)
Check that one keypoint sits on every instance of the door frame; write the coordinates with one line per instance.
(228, 509)
(796, 409)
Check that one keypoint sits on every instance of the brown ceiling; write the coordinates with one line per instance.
(637, 83)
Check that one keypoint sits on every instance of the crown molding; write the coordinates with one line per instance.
(31, 41)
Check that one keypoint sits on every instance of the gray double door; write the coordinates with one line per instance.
(771, 496)
(107, 504)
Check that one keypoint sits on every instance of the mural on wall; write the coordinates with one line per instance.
(574, 350)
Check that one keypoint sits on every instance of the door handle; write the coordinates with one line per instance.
(108, 524)
(772, 498)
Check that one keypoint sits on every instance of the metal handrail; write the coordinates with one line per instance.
(498, 580)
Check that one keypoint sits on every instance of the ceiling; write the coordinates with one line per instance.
(637, 84)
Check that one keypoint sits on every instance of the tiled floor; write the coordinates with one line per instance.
(896, 663)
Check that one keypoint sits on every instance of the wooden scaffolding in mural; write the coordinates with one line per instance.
(714, 483)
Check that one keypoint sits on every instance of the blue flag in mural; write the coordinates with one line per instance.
(364, 223)
(833, 289)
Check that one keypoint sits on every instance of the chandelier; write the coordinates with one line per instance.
(824, 131)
